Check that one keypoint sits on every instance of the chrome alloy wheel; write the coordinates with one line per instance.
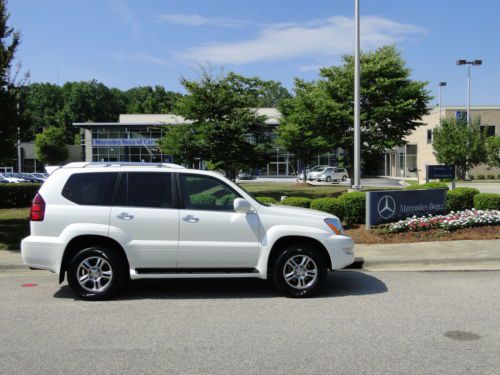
(300, 272)
(94, 274)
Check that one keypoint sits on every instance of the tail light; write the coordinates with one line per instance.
(37, 212)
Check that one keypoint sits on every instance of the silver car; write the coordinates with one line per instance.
(331, 174)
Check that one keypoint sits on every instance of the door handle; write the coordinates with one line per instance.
(191, 219)
(125, 216)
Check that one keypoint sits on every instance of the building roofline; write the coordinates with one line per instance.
(124, 124)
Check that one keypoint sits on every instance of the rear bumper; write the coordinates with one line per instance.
(42, 253)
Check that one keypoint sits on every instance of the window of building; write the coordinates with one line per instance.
(143, 189)
(207, 193)
(429, 135)
(91, 189)
(488, 130)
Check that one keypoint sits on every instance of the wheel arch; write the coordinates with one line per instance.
(81, 241)
(284, 241)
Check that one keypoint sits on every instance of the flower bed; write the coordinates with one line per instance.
(451, 221)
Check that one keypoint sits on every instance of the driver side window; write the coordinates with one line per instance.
(207, 193)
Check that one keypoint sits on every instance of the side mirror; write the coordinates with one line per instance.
(242, 206)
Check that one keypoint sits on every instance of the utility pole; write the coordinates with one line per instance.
(357, 127)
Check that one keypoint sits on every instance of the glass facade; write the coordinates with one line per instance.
(148, 152)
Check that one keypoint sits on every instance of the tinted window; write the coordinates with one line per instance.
(207, 193)
(144, 189)
(95, 189)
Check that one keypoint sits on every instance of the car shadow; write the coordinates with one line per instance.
(338, 284)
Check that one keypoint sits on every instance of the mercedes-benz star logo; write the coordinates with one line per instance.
(386, 207)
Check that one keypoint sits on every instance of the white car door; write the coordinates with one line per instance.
(211, 234)
(144, 220)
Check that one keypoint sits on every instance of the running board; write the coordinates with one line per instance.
(197, 271)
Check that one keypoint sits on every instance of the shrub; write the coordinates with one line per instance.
(487, 201)
(331, 205)
(480, 177)
(427, 186)
(460, 199)
(353, 207)
(297, 202)
(267, 200)
(17, 195)
(498, 176)
(491, 177)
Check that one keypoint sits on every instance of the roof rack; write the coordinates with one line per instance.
(121, 164)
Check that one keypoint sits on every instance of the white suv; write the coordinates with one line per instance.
(103, 224)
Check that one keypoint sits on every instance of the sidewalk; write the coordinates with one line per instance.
(421, 256)
(467, 255)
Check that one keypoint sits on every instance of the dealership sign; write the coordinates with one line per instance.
(390, 205)
(123, 142)
(440, 172)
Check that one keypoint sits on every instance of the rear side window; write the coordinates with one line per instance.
(143, 189)
(91, 189)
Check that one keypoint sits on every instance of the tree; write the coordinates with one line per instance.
(301, 130)
(493, 151)
(50, 145)
(9, 41)
(225, 127)
(147, 99)
(182, 142)
(456, 143)
(392, 104)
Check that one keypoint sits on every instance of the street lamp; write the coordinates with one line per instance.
(357, 128)
(469, 63)
(441, 84)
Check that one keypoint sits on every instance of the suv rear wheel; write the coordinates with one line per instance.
(299, 271)
(96, 273)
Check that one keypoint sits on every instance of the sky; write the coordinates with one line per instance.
(126, 43)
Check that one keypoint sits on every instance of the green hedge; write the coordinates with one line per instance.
(460, 199)
(427, 186)
(297, 202)
(267, 200)
(202, 200)
(349, 207)
(17, 195)
(487, 201)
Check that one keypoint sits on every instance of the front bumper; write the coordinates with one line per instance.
(42, 252)
(341, 250)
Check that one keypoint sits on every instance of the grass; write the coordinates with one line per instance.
(14, 226)
(276, 190)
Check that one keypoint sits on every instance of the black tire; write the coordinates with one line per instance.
(280, 268)
(111, 283)
(344, 178)
(328, 179)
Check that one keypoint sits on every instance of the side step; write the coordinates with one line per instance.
(198, 271)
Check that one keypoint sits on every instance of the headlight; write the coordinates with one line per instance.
(335, 225)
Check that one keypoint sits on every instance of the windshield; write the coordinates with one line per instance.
(253, 196)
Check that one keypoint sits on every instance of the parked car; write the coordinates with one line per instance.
(30, 177)
(3, 180)
(41, 176)
(246, 175)
(13, 177)
(313, 169)
(100, 225)
(333, 174)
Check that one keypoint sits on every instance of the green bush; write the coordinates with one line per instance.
(297, 202)
(17, 195)
(498, 176)
(487, 201)
(354, 206)
(331, 205)
(480, 177)
(491, 177)
(427, 186)
(202, 200)
(349, 207)
(460, 199)
(267, 200)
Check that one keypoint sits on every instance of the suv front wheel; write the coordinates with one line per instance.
(96, 273)
(299, 271)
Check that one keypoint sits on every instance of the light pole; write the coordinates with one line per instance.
(441, 84)
(357, 129)
(469, 63)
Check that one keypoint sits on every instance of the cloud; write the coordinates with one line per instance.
(330, 37)
(141, 58)
(126, 14)
(197, 20)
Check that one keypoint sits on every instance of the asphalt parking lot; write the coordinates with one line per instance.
(362, 323)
